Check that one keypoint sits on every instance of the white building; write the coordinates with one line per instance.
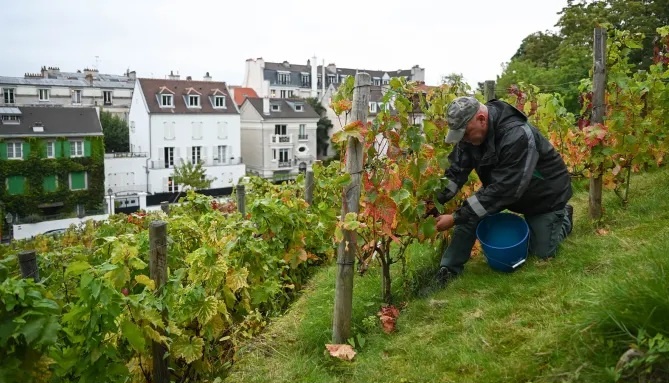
(87, 88)
(173, 121)
(278, 137)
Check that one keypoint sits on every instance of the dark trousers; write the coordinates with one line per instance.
(547, 231)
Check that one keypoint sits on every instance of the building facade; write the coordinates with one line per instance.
(51, 160)
(278, 137)
(87, 88)
(173, 121)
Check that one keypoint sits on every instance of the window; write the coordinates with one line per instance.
(283, 155)
(222, 154)
(331, 79)
(107, 97)
(44, 95)
(169, 157)
(273, 154)
(275, 108)
(78, 181)
(386, 82)
(50, 149)
(197, 130)
(168, 130)
(222, 130)
(273, 93)
(280, 130)
(196, 152)
(14, 150)
(76, 148)
(283, 94)
(193, 101)
(50, 183)
(372, 107)
(284, 78)
(76, 96)
(377, 81)
(320, 80)
(303, 132)
(171, 186)
(306, 80)
(8, 94)
(16, 185)
(166, 100)
(290, 94)
(219, 101)
(298, 108)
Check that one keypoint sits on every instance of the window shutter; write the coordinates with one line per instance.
(189, 153)
(172, 136)
(177, 154)
(3, 150)
(165, 185)
(166, 130)
(87, 148)
(58, 149)
(66, 149)
(26, 150)
(161, 151)
(204, 154)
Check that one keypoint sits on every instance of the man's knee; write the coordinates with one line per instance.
(543, 250)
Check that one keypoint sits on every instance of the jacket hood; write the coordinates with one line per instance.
(504, 114)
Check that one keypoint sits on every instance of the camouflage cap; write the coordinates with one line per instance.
(460, 112)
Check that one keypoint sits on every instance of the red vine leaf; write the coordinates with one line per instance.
(341, 351)
(388, 316)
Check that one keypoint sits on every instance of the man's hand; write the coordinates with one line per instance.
(445, 222)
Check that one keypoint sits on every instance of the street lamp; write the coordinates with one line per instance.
(109, 193)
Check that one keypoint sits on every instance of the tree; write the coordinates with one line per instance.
(116, 133)
(322, 127)
(540, 48)
(191, 175)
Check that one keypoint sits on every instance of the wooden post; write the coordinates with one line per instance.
(309, 187)
(241, 199)
(341, 326)
(158, 270)
(28, 265)
(598, 110)
(489, 90)
(165, 207)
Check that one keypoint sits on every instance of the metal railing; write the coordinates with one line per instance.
(282, 138)
(285, 164)
(127, 155)
(303, 137)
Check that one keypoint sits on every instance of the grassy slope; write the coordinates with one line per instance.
(484, 327)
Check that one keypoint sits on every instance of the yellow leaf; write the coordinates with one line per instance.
(188, 349)
(236, 279)
(146, 281)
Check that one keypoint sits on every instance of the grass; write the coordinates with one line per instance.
(558, 321)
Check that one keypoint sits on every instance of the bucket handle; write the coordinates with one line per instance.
(519, 263)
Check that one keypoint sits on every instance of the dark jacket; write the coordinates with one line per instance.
(519, 168)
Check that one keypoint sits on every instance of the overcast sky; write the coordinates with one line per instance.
(152, 37)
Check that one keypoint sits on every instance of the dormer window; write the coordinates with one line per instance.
(193, 101)
(219, 101)
(166, 100)
(299, 108)
(10, 119)
(377, 81)
(276, 108)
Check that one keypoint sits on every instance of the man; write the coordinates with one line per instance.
(520, 171)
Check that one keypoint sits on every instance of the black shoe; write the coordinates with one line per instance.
(570, 215)
(444, 275)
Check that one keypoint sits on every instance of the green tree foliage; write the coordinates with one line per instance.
(191, 175)
(116, 133)
(322, 128)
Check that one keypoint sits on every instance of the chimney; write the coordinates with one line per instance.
(89, 78)
(173, 76)
(207, 77)
(45, 72)
(189, 78)
(265, 97)
(314, 78)
(132, 75)
(88, 71)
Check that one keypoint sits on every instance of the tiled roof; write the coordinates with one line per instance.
(286, 108)
(180, 89)
(55, 121)
(242, 93)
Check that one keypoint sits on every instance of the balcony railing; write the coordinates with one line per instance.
(127, 155)
(303, 137)
(285, 164)
(282, 138)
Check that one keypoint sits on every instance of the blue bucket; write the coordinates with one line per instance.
(504, 239)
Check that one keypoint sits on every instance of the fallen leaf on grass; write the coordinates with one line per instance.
(388, 316)
(341, 351)
(602, 232)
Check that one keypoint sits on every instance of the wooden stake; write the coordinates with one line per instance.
(309, 187)
(598, 110)
(28, 265)
(341, 327)
(158, 270)
(241, 199)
